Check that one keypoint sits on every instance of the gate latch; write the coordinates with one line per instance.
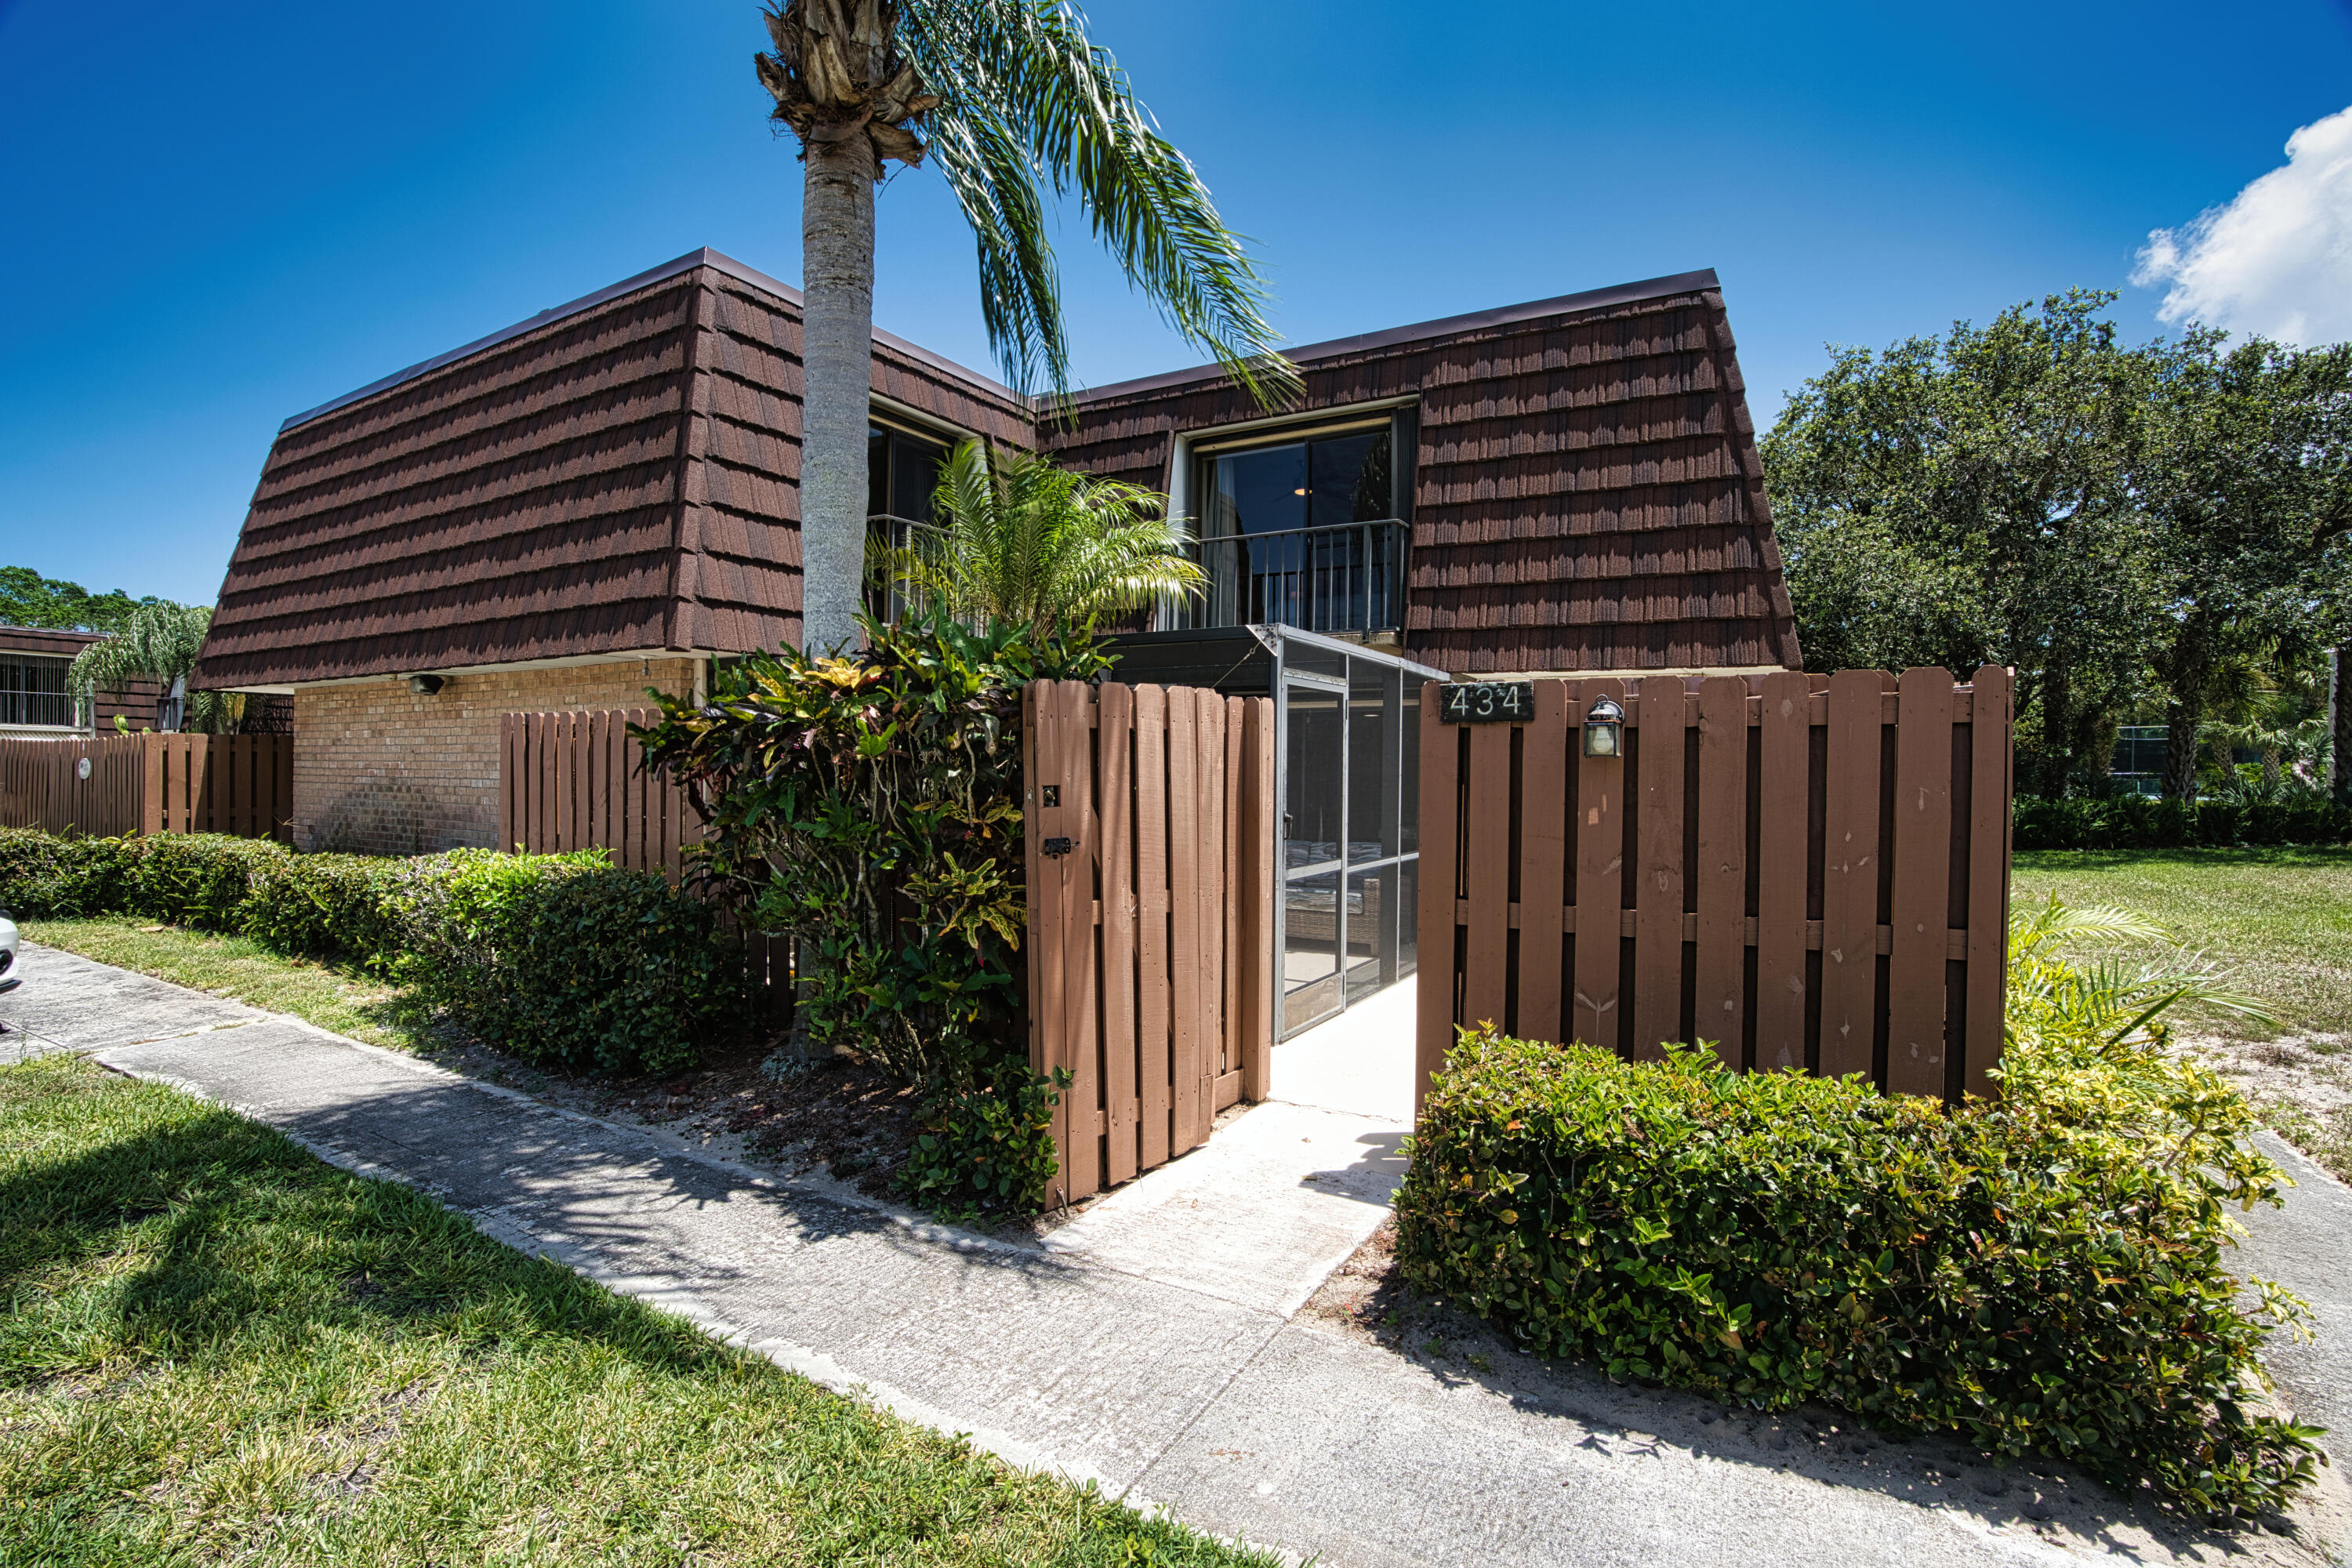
(1054, 848)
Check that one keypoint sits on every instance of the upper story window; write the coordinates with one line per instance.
(1326, 478)
(1305, 527)
(902, 469)
(33, 689)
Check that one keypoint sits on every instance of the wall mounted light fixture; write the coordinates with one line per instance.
(426, 685)
(1605, 730)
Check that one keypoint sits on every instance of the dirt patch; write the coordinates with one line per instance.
(2301, 1083)
(752, 1102)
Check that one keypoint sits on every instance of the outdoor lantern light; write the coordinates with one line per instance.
(1605, 730)
(426, 685)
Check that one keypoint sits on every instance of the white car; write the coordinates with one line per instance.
(9, 978)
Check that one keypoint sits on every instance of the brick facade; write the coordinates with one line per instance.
(381, 770)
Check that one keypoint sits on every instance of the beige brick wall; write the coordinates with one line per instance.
(381, 770)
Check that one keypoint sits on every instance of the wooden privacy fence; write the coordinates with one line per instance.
(1810, 871)
(1149, 833)
(578, 781)
(240, 784)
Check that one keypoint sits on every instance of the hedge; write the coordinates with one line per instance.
(2005, 1272)
(2136, 822)
(566, 960)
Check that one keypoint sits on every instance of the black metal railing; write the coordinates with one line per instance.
(1342, 577)
(886, 592)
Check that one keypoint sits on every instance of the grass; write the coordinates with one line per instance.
(2282, 919)
(214, 1346)
(336, 996)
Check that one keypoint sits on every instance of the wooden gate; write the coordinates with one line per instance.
(149, 783)
(1149, 833)
(1809, 871)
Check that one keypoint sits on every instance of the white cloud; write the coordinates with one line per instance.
(2277, 259)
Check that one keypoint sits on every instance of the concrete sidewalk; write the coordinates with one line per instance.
(1138, 1346)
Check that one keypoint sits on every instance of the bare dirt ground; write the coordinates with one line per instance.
(2301, 1082)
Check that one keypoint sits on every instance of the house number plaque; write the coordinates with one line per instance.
(1488, 702)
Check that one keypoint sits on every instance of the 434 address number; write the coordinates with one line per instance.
(1488, 702)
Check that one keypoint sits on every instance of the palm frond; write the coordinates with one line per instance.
(1025, 95)
(1024, 543)
(161, 645)
(2114, 1000)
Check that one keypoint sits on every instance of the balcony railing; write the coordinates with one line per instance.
(887, 597)
(1343, 577)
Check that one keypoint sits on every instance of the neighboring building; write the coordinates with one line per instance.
(601, 498)
(33, 697)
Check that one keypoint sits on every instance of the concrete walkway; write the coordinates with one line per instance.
(1146, 1345)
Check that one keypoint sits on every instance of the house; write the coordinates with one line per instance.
(602, 499)
(34, 700)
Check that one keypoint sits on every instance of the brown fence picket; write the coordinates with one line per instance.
(1116, 811)
(1783, 853)
(1720, 878)
(1850, 876)
(1543, 864)
(1484, 995)
(1992, 763)
(1658, 874)
(1155, 1001)
(1919, 911)
(1601, 807)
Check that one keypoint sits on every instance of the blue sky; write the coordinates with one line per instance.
(217, 216)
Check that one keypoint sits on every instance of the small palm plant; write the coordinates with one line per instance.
(1022, 546)
(2087, 1051)
(161, 645)
(2108, 999)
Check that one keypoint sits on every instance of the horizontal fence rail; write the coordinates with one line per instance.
(1810, 872)
(150, 783)
(1150, 843)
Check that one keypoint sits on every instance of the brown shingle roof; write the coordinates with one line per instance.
(623, 474)
(618, 474)
(1587, 493)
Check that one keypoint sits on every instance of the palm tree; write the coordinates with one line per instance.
(1002, 95)
(1022, 546)
(160, 643)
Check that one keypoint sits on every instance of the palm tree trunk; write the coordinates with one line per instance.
(2185, 668)
(837, 381)
(2339, 724)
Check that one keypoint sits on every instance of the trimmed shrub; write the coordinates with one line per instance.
(567, 959)
(2033, 1275)
(2136, 822)
(201, 880)
(323, 905)
(987, 1147)
(44, 875)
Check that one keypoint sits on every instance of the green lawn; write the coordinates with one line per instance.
(214, 1347)
(2282, 919)
(335, 996)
